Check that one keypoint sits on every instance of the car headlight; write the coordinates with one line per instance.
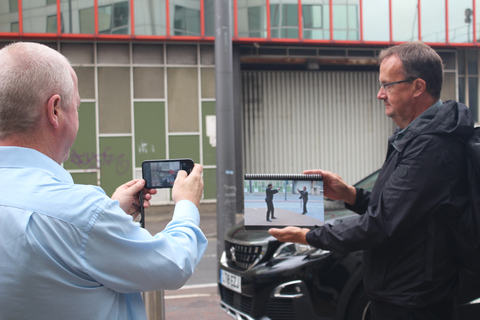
(288, 249)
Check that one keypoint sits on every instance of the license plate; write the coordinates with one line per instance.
(231, 280)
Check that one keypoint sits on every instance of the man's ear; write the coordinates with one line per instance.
(420, 87)
(53, 109)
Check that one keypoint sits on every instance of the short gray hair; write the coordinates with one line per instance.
(419, 61)
(30, 73)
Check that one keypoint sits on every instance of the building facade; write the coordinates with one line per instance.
(308, 70)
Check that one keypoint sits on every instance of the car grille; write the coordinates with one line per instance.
(236, 300)
(280, 309)
(276, 309)
(242, 257)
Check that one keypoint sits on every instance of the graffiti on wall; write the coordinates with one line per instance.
(89, 160)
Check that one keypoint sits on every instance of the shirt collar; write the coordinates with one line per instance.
(18, 157)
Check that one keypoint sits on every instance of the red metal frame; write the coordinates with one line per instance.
(447, 36)
(361, 19)
(300, 20)
(235, 19)
(269, 27)
(419, 14)
(236, 38)
(331, 19)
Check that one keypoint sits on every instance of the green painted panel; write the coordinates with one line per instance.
(115, 162)
(210, 184)
(209, 151)
(184, 146)
(89, 178)
(150, 131)
(83, 154)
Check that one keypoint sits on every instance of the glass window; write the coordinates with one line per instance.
(461, 90)
(113, 18)
(473, 97)
(472, 62)
(460, 21)
(76, 14)
(9, 16)
(405, 20)
(477, 16)
(185, 20)
(52, 24)
(461, 61)
(313, 24)
(284, 20)
(209, 12)
(13, 5)
(150, 17)
(376, 25)
(345, 22)
(252, 19)
(36, 16)
(86, 21)
(15, 27)
(433, 21)
(449, 88)
(449, 59)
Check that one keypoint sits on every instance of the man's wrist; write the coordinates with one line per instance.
(351, 196)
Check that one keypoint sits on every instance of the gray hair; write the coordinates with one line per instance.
(419, 61)
(30, 73)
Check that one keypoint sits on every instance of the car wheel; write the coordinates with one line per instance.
(359, 306)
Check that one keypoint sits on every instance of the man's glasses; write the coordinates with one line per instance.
(386, 85)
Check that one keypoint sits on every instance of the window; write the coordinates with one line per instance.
(112, 19)
(313, 22)
(186, 21)
(284, 20)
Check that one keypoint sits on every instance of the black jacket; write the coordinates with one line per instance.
(406, 260)
(270, 193)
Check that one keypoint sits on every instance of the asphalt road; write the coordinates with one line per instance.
(199, 298)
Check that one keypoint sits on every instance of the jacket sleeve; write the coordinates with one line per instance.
(361, 201)
(425, 182)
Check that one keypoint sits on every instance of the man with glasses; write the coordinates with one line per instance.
(409, 272)
(67, 251)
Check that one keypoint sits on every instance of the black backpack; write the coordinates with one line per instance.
(463, 231)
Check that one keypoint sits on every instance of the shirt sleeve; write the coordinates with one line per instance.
(126, 258)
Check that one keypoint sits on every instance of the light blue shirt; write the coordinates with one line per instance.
(68, 251)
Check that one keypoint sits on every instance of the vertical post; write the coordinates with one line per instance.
(154, 305)
(224, 109)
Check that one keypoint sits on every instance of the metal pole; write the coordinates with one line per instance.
(224, 108)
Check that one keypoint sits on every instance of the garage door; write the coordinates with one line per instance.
(296, 120)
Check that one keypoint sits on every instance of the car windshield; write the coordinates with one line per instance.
(368, 182)
(336, 208)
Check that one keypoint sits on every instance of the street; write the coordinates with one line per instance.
(199, 298)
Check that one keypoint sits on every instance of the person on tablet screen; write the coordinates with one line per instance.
(304, 197)
(269, 200)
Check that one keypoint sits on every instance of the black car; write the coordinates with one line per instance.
(261, 278)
